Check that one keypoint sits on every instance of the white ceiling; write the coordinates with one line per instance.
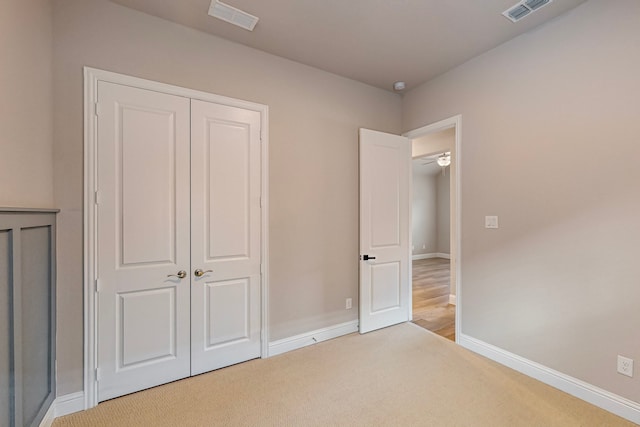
(373, 41)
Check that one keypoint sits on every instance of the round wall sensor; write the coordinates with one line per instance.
(399, 86)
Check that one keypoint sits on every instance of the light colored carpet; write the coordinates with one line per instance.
(398, 376)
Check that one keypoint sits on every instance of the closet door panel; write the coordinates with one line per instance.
(225, 235)
(179, 185)
(146, 178)
(227, 192)
(144, 241)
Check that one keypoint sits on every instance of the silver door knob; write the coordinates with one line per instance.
(181, 274)
(200, 273)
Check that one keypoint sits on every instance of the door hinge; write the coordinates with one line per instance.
(97, 285)
(96, 197)
(261, 201)
(261, 268)
(98, 377)
(96, 108)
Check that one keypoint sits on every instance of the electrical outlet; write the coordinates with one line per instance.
(348, 304)
(625, 366)
(491, 221)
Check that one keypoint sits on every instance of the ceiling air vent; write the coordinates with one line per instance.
(524, 8)
(536, 4)
(232, 15)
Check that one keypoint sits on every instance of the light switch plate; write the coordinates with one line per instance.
(490, 222)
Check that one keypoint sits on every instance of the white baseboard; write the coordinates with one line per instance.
(313, 337)
(63, 405)
(606, 400)
(50, 416)
(432, 255)
(452, 299)
(69, 403)
(422, 256)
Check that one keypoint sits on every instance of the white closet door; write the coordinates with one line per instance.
(385, 171)
(225, 235)
(143, 235)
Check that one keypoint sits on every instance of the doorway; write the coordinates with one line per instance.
(435, 257)
(385, 218)
(431, 236)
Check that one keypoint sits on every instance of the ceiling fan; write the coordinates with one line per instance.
(443, 160)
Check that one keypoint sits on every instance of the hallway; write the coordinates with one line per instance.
(431, 308)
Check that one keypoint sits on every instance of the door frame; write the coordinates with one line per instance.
(91, 198)
(456, 123)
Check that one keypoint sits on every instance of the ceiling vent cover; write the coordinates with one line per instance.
(232, 15)
(536, 4)
(524, 8)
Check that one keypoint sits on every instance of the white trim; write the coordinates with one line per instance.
(313, 337)
(63, 405)
(452, 299)
(264, 138)
(49, 416)
(91, 78)
(432, 255)
(444, 124)
(456, 123)
(89, 238)
(69, 403)
(410, 232)
(423, 256)
(606, 400)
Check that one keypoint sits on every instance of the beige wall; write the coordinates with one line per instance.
(314, 120)
(443, 211)
(26, 162)
(430, 211)
(542, 116)
(424, 232)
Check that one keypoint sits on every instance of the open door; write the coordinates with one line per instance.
(385, 173)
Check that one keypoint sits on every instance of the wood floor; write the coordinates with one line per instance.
(431, 308)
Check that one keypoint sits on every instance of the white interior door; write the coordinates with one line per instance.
(225, 235)
(143, 237)
(385, 172)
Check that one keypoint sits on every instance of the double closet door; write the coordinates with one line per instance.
(178, 253)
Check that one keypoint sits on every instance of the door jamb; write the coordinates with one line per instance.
(91, 78)
(456, 123)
